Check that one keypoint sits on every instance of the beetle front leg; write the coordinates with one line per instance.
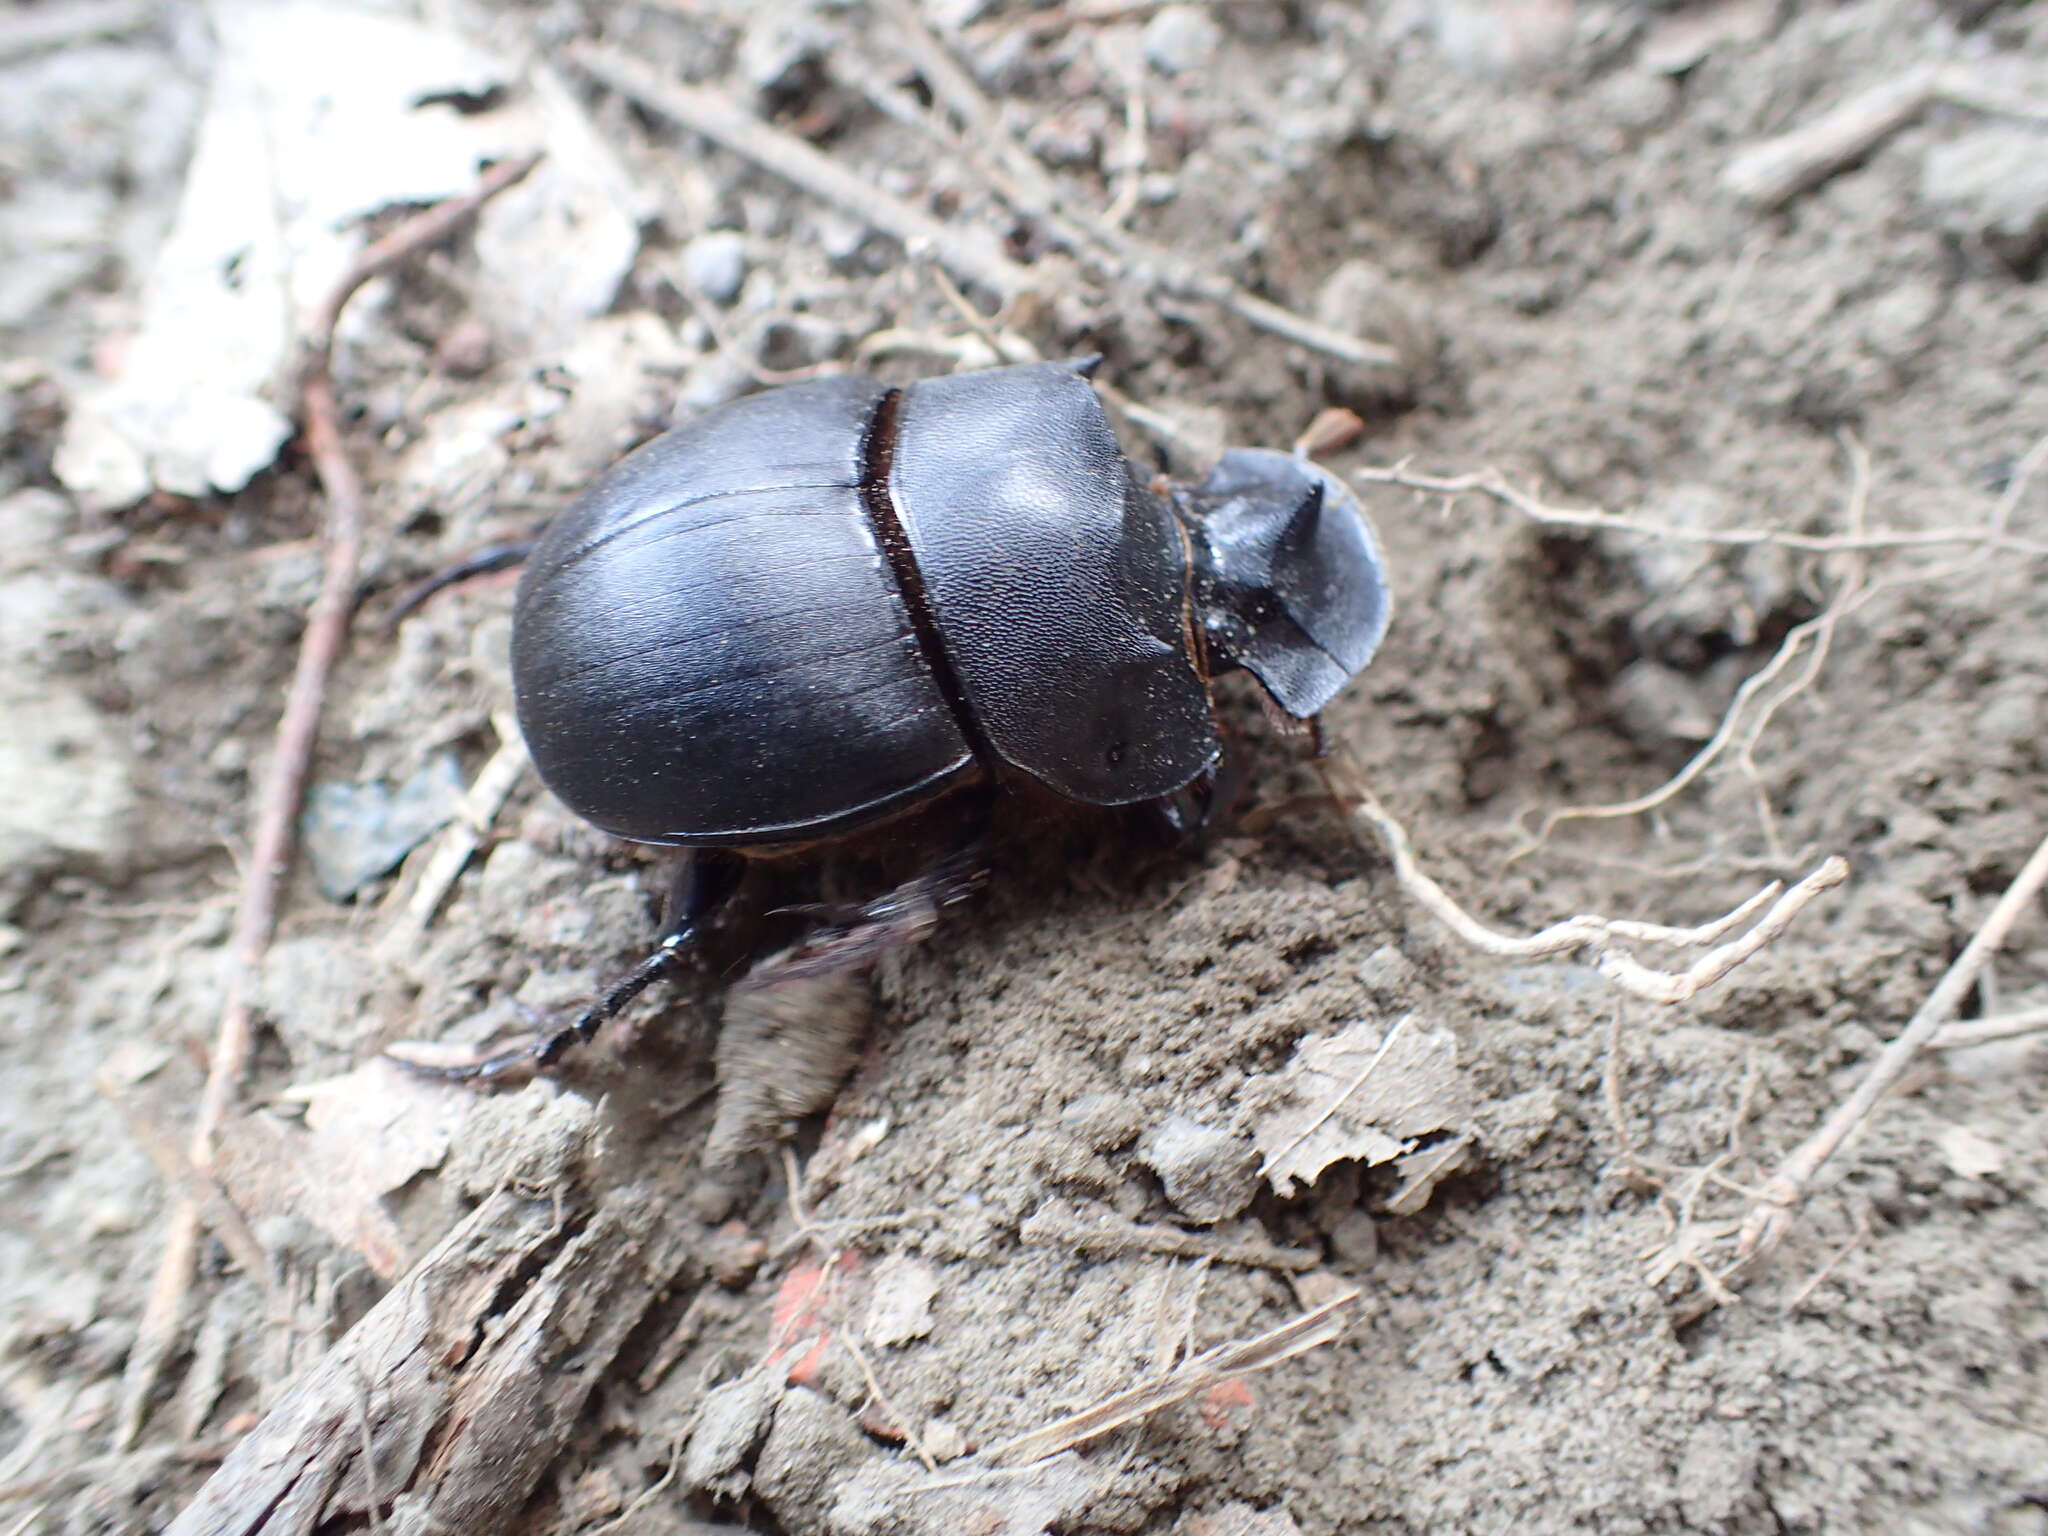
(704, 879)
(504, 556)
(1188, 815)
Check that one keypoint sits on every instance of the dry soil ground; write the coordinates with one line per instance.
(1035, 1190)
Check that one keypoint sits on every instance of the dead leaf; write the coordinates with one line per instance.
(366, 1133)
(900, 1300)
(1969, 1154)
(1423, 1169)
(1365, 1095)
(320, 114)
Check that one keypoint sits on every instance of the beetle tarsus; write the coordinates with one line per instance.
(702, 881)
(543, 1053)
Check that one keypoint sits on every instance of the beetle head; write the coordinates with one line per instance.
(1290, 581)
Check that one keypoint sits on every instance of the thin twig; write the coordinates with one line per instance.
(1212, 1367)
(1055, 1225)
(1059, 18)
(1599, 939)
(1768, 1221)
(459, 842)
(285, 779)
(1771, 174)
(968, 251)
(2003, 1026)
(26, 31)
(846, 1340)
(1848, 597)
(1798, 1297)
(628, 1518)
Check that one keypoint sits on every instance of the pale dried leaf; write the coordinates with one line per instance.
(900, 1300)
(1364, 1095)
(1423, 1169)
(381, 1125)
(1969, 1154)
(320, 114)
(367, 1133)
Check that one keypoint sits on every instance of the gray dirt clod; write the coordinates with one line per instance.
(1991, 184)
(812, 1444)
(731, 1422)
(1209, 1175)
(1102, 1122)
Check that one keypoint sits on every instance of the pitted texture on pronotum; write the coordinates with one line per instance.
(816, 607)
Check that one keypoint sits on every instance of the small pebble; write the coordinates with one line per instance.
(1355, 1239)
(715, 265)
(1181, 39)
(943, 1441)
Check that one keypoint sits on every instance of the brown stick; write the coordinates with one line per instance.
(284, 780)
(467, 1377)
(1026, 186)
(969, 252)
(1772, 173)
(1772, 1216)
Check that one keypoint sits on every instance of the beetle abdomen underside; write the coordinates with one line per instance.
(710, 646)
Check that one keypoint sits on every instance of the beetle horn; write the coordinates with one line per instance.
(1298, 539)
(1290, 580)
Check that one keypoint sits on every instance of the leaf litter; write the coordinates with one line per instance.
(1368, 1094)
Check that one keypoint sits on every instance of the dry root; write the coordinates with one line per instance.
(1603, 941)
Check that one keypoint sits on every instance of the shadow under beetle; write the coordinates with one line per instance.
(826, 605)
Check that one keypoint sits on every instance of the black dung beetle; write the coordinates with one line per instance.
(825, 605)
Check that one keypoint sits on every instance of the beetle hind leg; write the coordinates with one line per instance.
(702, 882)
(851, 937)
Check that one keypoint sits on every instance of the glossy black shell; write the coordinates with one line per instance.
(818, 606)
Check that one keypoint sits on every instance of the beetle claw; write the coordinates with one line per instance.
(546, 1050)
